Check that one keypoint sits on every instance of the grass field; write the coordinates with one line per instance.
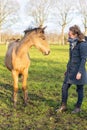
(45, 78)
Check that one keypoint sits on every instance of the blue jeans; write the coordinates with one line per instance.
(79, 90)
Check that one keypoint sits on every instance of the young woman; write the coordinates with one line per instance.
(76, 73)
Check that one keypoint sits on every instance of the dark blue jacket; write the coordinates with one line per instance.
(77, 61)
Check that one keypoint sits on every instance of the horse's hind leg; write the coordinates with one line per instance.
(24, 85)
(15, 78)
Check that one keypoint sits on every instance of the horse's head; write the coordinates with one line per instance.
(39, 40)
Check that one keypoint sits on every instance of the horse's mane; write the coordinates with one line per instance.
(29, 30)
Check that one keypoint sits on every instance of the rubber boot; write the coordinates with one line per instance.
(76, 110)
(62, 108)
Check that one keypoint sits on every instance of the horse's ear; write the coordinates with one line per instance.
(44, 27)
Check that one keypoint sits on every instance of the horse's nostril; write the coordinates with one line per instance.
(46, 53)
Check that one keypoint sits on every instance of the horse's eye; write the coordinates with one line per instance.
(43, 38)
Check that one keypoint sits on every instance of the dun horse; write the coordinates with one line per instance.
(17, 58)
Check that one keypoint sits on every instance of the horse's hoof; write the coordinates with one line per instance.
(26, 101)
(25, 104)
(15, 104)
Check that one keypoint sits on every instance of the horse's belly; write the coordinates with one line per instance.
(8, 60)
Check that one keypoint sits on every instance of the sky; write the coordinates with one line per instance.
(24, 21)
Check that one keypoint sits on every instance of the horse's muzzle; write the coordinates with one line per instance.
(46, 53)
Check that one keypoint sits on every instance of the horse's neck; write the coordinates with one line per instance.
(24, 46)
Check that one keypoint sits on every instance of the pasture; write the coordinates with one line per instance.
(45, 78)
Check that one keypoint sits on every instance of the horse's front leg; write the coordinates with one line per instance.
(24, 85)
(15, 85)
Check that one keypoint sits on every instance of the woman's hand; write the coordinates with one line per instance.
(65, 73)
(78, 76)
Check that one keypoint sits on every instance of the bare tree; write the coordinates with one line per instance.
(8, 13)
(39, 10)
(63, 13)
(82, 7)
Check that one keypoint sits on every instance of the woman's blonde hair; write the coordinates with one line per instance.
(76, 30)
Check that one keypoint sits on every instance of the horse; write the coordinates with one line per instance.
(17, 58)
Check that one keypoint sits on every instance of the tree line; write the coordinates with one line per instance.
(60, 12)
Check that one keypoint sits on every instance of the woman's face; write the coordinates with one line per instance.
(71, 35)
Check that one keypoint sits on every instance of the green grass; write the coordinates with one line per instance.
(46, 75)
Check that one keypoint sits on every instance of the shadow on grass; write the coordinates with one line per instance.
(6, 91)
(49, 102)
